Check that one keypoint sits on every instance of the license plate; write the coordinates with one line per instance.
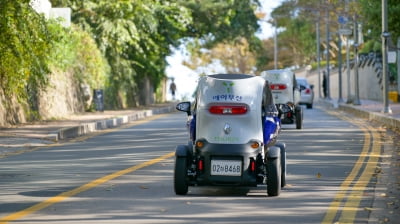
(226, 167)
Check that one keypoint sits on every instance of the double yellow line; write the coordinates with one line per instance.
(345, 205)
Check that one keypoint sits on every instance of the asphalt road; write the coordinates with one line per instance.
(125, 176)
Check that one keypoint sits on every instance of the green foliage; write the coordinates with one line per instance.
(24, 45)
(371, 18)
(32, 47)
(299, 37)
(322, 64)
(296, 20)
(217, 21)
(90, 66)
(371, 46)
(296, 38)
(136, 36)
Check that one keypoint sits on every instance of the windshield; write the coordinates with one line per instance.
(302, 82)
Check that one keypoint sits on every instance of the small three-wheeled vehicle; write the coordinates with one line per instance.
(286, 94)
(233, 128)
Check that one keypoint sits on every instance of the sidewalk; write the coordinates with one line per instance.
(371, 110)
(26, 136)
(386, 206)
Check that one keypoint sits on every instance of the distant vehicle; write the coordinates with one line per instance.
(233, 128)
(306, 92)
(286, 95)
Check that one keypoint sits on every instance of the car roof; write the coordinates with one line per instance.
(231, 76)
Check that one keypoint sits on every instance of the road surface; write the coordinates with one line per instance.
(125, 176)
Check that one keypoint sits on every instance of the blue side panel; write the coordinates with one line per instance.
(271, 129)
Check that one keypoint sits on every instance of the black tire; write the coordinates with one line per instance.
(282, 146)
(299, 117)
(181, 186)
(274, 176)
(309, 106)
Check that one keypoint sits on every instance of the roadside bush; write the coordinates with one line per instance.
(24, 46)
(32, 49)
(75, 50)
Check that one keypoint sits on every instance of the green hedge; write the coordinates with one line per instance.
(32, 47)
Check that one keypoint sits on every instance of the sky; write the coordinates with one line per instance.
(186, 79)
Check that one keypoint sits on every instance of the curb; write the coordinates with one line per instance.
(87, 128)
(389, 122)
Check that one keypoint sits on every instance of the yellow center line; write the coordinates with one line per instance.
(348, 215)
(85, 187)
(335, 205)
(350, 208)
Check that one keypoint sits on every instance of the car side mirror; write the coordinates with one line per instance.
(184, 107)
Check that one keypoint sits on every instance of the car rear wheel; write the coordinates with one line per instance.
(181, 186)
(309, 106)
(299, 117)
(274, 176)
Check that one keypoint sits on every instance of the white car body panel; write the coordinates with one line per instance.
(286, 77)
(220, 91)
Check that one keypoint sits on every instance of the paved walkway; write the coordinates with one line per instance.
(386, 207)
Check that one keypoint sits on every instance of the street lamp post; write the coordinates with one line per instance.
(328, 95)
(348, 70)
(385, 47)
(318, 60)
(275, 47)
(348, 56)
(340, 100)
(356, 45)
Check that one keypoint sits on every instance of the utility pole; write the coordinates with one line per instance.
(385, 48)
(318, 58)
(340, 100)
(356, 45)
(348, 70)
(349, 100)
(342, 31)
(275, 47)
(328, 94)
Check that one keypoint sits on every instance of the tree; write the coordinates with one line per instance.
(234, 58)
(370, 13)
(223, 33)
(24, 46)
(136, 36)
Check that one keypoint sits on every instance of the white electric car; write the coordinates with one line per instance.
(233, 126)
(286, 94)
